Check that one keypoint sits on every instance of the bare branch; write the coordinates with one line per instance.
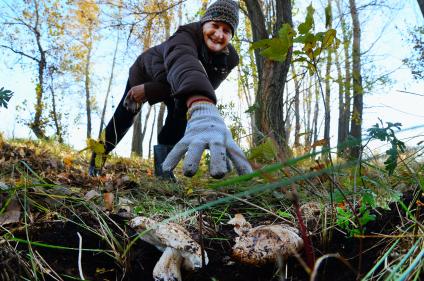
(20, 53)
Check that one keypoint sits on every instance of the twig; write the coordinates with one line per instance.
(79, 256)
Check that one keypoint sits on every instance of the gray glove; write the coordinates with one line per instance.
(206, 129)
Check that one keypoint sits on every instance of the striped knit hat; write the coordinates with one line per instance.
(225, 11)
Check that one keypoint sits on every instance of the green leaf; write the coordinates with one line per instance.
(284, 214)
(306, 26)
(5, 96)
(329, 37)
(273, 49)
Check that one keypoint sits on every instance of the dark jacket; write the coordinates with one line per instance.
(176, 68)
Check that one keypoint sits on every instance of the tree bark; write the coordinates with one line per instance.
(136, 143)
(316, 114)
(87, 84)
(327, 98)
(151, 133)
(356, 122)
(54, 113)
(296, 107)
(137, 140)
(109, 86)
(37, 125)
(344, 130)
(341, 123)
(269, 116)
(421, 4)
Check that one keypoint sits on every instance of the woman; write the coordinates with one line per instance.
(184, 72)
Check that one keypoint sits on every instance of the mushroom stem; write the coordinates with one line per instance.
(168, 268)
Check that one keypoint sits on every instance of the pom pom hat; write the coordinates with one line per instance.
(225, 11)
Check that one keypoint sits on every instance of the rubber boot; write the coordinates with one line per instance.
(160, 152)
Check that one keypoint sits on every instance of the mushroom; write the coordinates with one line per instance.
(311, 213)
(265, 243)
(176, 244)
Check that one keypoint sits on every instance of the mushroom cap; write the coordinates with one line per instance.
(311, 213)
(163, 235)
(265, 243)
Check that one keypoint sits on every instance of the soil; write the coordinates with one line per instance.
(143, 257)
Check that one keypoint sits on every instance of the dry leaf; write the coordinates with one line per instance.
(12, 214)
(68, 160)
(91, 194)
(319, 143)
(108, 199)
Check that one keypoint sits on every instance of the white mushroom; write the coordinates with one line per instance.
(266, 243)
(175, 241)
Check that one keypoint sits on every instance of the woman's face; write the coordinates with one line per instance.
(216, 35)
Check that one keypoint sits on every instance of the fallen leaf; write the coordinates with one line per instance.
(108, 199)
(12, 214)
(68, 160)
(91, 194)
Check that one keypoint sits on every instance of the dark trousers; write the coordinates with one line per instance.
(172, 131)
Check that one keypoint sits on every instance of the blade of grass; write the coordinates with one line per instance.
(380, 261)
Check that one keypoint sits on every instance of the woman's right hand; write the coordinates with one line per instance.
(136, 93)
(135, 98)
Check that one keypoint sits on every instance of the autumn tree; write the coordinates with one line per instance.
(356, 121)
(272, 74)
(29, 31)
(83, 24)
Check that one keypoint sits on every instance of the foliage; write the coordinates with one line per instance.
(416, 60)
(346, 217)
(311, 44)
(5, 96)
(387, 134)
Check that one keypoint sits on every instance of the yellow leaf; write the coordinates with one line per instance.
(319, 143)
(67, 160)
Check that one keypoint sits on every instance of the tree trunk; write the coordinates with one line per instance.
(269, 116)
(55, 115)
(315, 117)
(137, 144)
(344, 130)
(421, 4)
(143, 133)
(327, 100)
(37, 125)
(151, 133)
(307, 112)
(327, 113)
(296, 107)
(356, 122)
(340, 129)
(87, 84)
(109, 85)
(161, 116)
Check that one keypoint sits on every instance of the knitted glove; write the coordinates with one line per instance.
(206, 129)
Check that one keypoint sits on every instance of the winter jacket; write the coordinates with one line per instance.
(182, 67)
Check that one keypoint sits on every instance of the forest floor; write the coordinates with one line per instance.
(47, 200)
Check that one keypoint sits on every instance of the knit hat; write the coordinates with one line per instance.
(223, 10)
